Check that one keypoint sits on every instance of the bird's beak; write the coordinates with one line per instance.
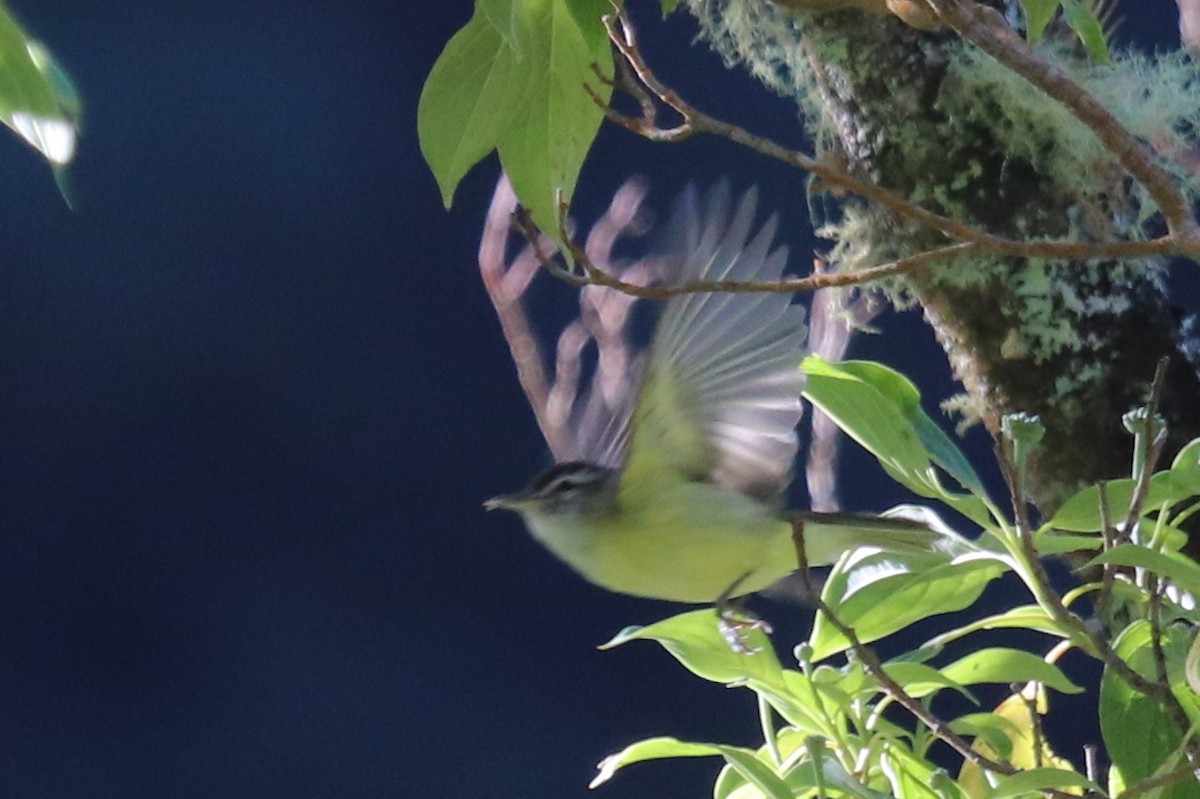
(503, 502)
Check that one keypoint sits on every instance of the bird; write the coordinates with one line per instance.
(682, 499)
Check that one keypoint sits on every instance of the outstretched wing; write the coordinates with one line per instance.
(720, 397)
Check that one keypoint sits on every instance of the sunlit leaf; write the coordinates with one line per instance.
(911, 777)
(876, 596)
(1176, 568)
(940, 447)
(37, 98)
(506, 17)
(1028, 617)
(919, 680)
(996, 731)
(1000, 665)
(694, 639)
(880, 409)
(1021, 749)
(1040, 779)
(1081, 512)
(1138, 732)
(744, 761)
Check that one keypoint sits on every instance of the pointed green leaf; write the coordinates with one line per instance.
(940, 447)
(743, 761)
(1081, 512)
(544, 153)
(1049, 542)
(867, 415)
(1029, 617)
(919, 680)
(1038, 14)
(913, 777)
(880, 409)
(1040, 779)
(475, 93)
(1006, 666)
(694, 639)
(877, 596)
(37, 98)
(1176, 568)
(836, 777)
(1088, 27)
(506, 16)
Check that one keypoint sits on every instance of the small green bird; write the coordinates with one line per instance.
(682, 499)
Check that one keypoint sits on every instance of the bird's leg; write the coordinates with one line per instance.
(810, 593)
(735, 622)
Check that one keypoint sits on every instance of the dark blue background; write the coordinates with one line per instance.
(252, 395)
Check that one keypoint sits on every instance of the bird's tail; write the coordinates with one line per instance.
(905, 529)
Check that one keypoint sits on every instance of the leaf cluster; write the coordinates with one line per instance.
(826, 728)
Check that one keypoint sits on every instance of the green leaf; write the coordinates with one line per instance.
(37, 98)
(506, 16)
(1028, 617)
(919, 680)
(880, 409)
(668, 6)
(1088, 27)
(836, 777)
(1048, 542)
(475, 93)
(913, 777)
(743, 761)
(1187, 463)
(1039, 779)
(1176, 568)
(1006, 666)
(1138, 732)
(1038, 14)
(544, 152)
(694, 639)
(866, 415)
(512, 80)
(877, 596)
(995, 730)
(1081, 512)
(795, 701)
(940, 447)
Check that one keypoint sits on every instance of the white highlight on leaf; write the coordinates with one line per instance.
(53, 137)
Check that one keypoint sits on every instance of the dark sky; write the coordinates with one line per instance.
(252, 396)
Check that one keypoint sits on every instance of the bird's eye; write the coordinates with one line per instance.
(564, 485)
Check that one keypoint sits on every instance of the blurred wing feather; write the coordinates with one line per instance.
(720, 398)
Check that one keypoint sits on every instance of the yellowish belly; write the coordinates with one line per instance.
(689, 542)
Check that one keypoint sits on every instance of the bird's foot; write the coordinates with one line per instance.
(735, 627)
